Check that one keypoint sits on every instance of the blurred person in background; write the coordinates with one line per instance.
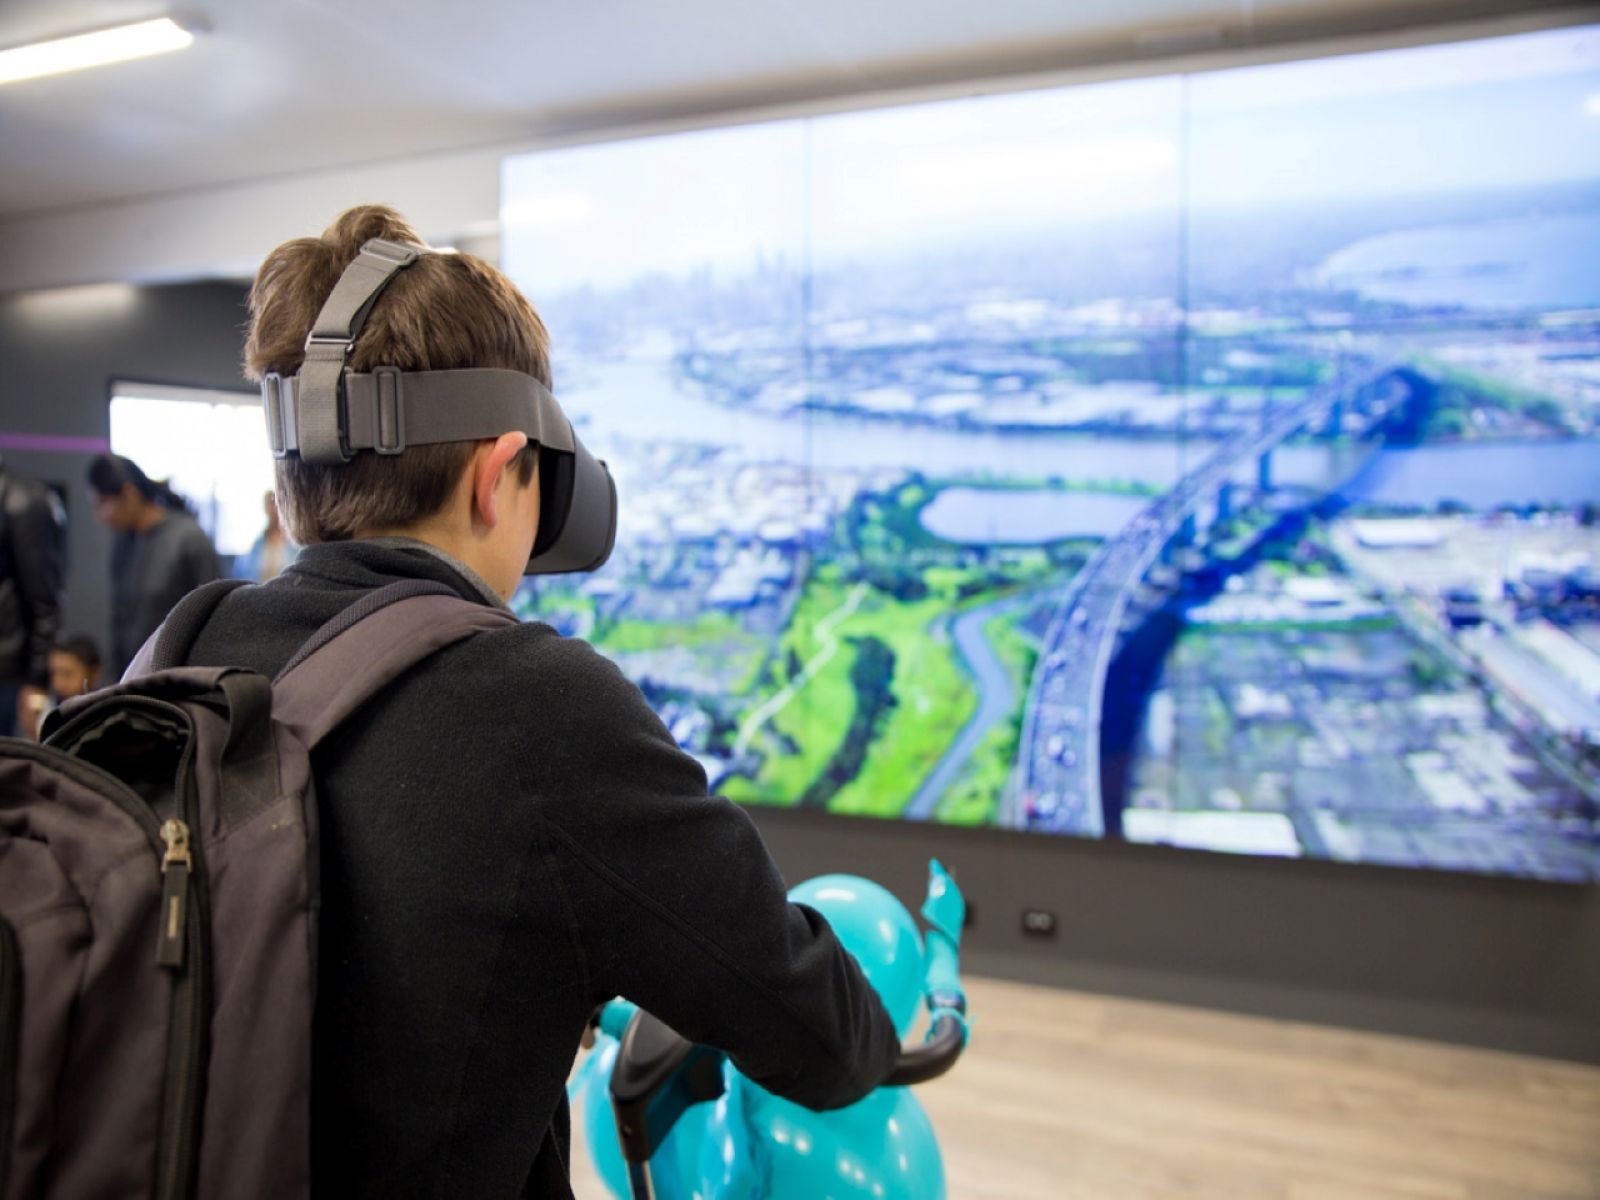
(32, 562)
(75, 667)
(272, 552)
(75, 670)
(161, 553)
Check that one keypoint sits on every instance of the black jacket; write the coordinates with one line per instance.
(32, 537)
(509, 837)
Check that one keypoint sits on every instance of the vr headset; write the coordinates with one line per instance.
(327, 414)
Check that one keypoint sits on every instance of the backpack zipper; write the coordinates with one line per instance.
(10, 1031)
(181, 948)
(175, 866)
(185, 1060)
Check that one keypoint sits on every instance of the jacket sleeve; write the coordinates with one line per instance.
(36, 551)
(680, 908)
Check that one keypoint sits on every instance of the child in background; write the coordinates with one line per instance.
(75, 668)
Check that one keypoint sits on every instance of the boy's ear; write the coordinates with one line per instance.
(488, 465)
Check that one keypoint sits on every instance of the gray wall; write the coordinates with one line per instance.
(1504, 963)
(60, 351)
(1493, 962)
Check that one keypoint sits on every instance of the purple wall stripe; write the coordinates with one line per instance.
(53, 443)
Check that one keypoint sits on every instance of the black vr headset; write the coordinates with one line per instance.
(327, 414)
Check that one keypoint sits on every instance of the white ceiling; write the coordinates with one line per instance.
(301, 85)
(196, 163)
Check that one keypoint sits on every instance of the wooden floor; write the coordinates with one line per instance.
(1063, 1096)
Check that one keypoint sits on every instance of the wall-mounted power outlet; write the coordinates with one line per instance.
(1038, 922)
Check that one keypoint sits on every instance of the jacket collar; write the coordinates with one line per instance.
(372, 562)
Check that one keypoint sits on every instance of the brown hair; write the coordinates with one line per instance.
(444, 312)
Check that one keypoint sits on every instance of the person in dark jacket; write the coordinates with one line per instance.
(32, 563)
(508, 835)
(160, 556)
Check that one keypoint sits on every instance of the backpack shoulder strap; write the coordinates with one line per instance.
(170, 644)
(367, 647)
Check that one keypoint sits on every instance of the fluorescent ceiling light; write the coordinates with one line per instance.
(93, 49)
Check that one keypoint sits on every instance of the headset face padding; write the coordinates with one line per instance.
(555, 498)
(582, 514)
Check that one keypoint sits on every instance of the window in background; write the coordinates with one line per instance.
(210, 446)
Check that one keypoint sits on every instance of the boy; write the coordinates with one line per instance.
(508, 836)
(74, 667)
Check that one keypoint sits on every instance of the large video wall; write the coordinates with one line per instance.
(1210, 460)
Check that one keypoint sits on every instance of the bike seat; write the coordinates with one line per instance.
(651, 1051)
(658, 1075)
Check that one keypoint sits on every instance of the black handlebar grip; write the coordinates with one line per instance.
(936, 1055)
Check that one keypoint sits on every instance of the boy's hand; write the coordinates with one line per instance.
(31, 705)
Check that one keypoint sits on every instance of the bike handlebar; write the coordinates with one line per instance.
(929, 1059)
(945, 912)
(658, 1074)
(943, 974)
(937, 1053)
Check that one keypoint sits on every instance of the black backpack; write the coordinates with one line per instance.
(158, 901)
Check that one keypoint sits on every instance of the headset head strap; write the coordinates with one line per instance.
(319, 409)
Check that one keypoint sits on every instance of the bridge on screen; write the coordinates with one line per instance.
(1056, 782)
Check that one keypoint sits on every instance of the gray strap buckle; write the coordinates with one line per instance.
(400, 254)
(272, 404)
(320, 401)
(389, 416)
(321, 417)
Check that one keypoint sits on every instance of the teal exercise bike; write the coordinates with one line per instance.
(669, 1120)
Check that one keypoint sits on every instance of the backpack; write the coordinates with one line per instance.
(158, 901)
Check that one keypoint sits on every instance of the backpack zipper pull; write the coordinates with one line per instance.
(175, 866)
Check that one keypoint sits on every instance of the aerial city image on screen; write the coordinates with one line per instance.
(1208, 460)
